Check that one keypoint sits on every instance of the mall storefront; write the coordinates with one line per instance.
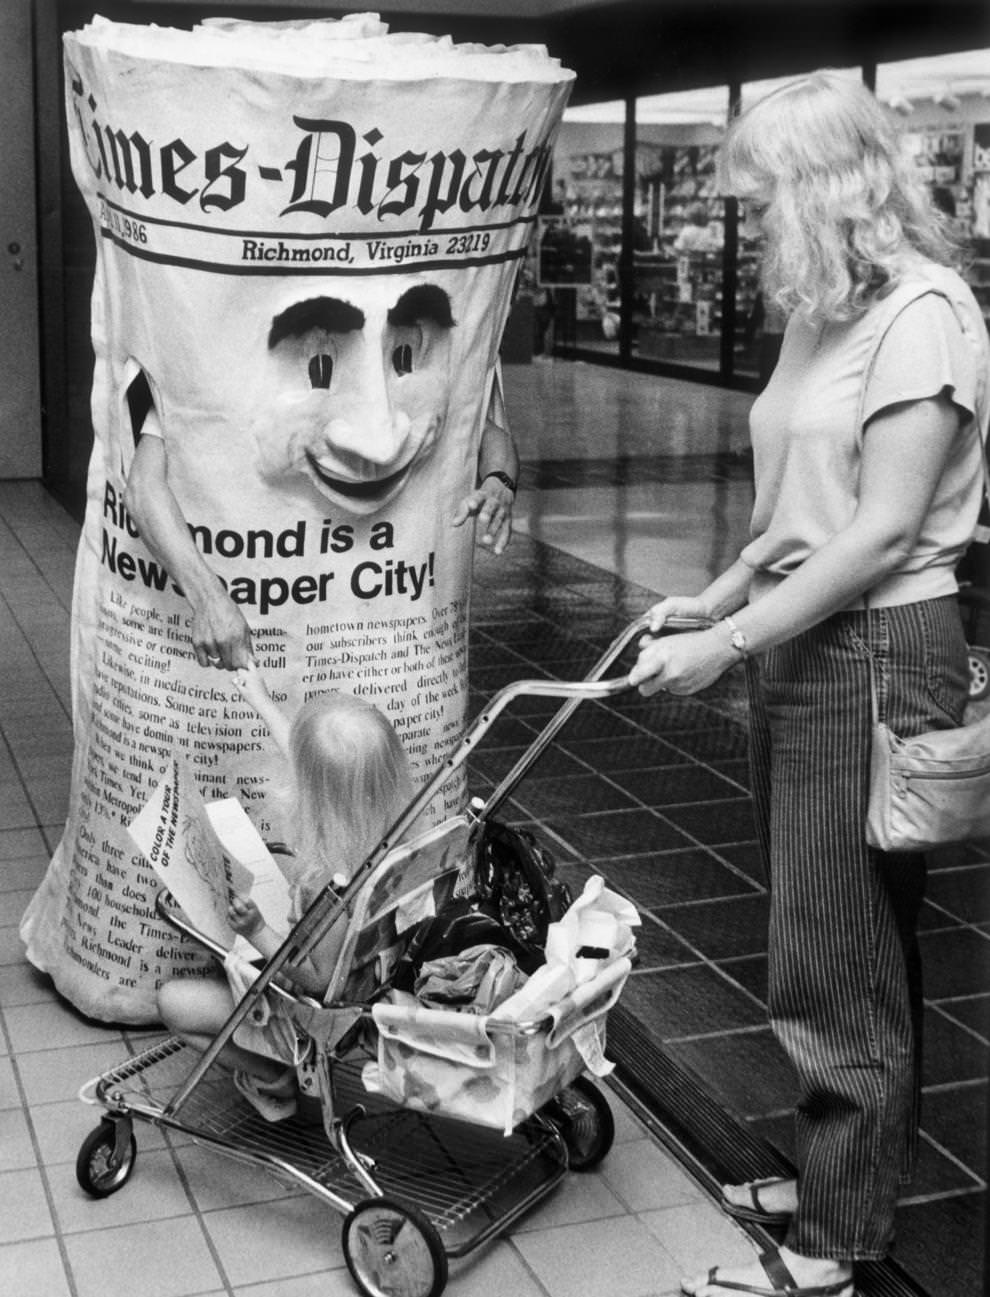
(643, 260)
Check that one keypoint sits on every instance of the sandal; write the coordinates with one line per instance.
(783, 1283)
(757, 1213)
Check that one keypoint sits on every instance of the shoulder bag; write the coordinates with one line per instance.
(928, 790)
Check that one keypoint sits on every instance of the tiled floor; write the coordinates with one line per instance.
(631, 486)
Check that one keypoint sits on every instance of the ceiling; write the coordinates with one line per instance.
(648, 46)
(942, 79)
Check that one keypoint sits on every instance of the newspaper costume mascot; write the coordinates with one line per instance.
(308, 234)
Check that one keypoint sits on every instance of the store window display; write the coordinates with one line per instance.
(698, 233)
(677, 267)
(581, 239)
(678, 281)
(945, 104)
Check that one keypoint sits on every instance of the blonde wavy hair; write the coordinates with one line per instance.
(350, 780)
(845, 211)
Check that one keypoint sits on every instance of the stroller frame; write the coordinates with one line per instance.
(421, 1188)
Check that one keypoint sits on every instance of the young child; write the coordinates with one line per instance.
(350, 781)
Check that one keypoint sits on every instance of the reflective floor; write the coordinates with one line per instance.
(632, 486)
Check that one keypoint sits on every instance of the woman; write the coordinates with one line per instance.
(868, 484)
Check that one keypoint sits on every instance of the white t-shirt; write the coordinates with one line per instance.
(925, 337)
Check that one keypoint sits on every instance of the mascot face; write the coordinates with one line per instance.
(361, 388)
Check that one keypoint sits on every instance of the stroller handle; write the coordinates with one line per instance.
(572, 692)
(592, 687)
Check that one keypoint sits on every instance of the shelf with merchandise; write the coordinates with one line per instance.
(679, 295)
(978, 275)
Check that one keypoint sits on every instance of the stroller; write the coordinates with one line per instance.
(474, 1120)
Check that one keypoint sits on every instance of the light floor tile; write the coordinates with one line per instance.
(216, 1181)
(698, 1237)
(645, 1177)
(16, 1145)
(15, 809)
(13, 904)
(153, 1192)
(23, 984)
(578, 1197)
(55, 1025)
(24, 872)
(325, 1283)
(614, 1258)
(275, 1240)
(498, 1269)
(10, 1095)
(60, 1129)
(168, 1258)
(33, 1269)
(51, 800)
(52, 831)
(18, 843)
(11, 947)
(53, 1074)
(627, 1124)
(25, 1207)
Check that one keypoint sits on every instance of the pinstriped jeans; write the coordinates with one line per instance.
(844, 994)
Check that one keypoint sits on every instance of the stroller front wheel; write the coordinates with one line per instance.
(584, 1121)
(392, 1250)
(104, 1164)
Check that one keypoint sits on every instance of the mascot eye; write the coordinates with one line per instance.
(402, 359)
(321, 370)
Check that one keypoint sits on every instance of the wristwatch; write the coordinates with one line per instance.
(504, 478)
(736, 638)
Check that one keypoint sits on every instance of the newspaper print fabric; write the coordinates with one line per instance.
(307, 237)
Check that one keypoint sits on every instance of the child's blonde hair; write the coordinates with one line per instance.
(845, 210)
(351, 780)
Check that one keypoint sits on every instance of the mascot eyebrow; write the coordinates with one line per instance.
(424, 302)
(327, 313)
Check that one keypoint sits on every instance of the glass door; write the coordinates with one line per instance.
(679, 233)
(580, 237)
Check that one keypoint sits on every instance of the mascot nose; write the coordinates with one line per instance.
(364, 422)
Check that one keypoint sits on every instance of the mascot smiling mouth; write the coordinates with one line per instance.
(364, 491)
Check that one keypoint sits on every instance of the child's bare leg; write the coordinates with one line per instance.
(195, 1009)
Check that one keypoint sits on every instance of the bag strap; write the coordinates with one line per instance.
(874, 688)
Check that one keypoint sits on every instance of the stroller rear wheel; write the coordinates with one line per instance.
(392, 1250)
(584, 1120)
(101, 1167)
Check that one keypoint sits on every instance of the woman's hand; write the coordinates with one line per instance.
(220, 634)
(682, 663)
(692, 607)
(244, 916)
(491, 503)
